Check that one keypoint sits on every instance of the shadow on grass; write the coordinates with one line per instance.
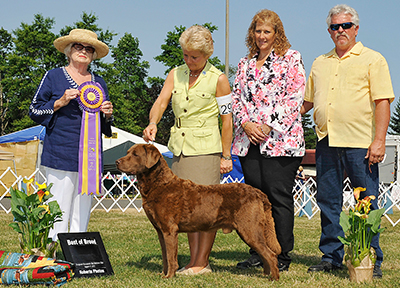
(148, 263)
(153, 263)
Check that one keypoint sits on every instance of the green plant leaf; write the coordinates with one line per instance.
(31, 221)
(15, 226)
(345, 241)
(18, 197)
(380, 230)
(374, 219)
(364, 254)
(344, 221)
(33, 199)
(356, 262)
(17, 210)
(54, 207)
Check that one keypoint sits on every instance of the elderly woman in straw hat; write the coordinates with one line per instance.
(199, 93)
(55, 106)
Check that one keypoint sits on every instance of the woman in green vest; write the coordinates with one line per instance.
(199, 93)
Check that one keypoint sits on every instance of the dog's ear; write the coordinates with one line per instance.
(153, 156)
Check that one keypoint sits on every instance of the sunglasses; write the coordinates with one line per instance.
(79, 47)
(347, 25)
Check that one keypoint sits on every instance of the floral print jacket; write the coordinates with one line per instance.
(273, 96)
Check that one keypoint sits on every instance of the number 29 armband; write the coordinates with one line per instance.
(224, 104)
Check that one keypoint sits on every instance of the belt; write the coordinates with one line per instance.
(187, 123)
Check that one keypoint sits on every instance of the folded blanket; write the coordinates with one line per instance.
(17, 268)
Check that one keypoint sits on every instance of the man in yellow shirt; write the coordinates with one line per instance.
(351, 91)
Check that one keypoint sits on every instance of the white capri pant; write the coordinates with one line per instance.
(76, 208)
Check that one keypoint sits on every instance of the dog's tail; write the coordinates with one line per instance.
(272, 241)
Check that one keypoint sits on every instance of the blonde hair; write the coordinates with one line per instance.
(197, 38)
(281, 43)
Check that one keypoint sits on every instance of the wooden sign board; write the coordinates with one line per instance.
(86, 250)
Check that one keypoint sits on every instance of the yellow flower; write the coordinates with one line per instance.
(41, 194)
(358, 214)
(358, 206)
(357, 192)
(29, 185)
(45, 207)
(42, 190)
(41, 186)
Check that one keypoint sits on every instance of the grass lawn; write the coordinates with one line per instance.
(133, 248)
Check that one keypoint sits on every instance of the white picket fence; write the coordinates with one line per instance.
(121, 192)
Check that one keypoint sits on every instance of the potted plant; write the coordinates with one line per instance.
(34, 216)
(359, 226)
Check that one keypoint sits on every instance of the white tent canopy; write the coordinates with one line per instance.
(120, 136)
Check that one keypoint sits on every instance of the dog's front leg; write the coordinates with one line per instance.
(171, 247)
(163, 250)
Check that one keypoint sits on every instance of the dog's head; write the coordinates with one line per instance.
(139, 159)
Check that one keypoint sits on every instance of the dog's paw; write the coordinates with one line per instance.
(274, 276)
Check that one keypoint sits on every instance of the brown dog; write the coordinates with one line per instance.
(174, 205)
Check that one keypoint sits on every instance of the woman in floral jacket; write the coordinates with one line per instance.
(266, 98)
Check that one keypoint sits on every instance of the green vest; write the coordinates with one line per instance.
(196, 129)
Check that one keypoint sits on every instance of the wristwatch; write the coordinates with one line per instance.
(226, 157)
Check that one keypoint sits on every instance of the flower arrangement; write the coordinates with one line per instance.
(34, 215)
(359, 227)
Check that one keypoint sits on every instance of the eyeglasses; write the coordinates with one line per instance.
(347, 25)
(79, 47)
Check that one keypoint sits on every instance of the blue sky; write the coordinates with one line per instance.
(150, 20)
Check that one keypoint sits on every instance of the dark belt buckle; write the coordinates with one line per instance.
(178, 122)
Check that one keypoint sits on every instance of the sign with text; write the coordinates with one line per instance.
(86, 250)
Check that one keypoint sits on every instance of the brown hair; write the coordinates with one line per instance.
(281, 43)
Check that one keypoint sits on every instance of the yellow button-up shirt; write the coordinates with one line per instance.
(343, 91)
(196, 129)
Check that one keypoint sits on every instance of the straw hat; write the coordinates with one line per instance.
(82, 36)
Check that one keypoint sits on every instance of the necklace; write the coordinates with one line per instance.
(193, 75)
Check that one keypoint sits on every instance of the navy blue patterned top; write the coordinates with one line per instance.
(61, 142)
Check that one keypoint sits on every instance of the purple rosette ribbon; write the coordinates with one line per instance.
(90, 162)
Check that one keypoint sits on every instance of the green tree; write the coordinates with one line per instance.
(5, 48)
(309, 134)
(394, 124)
(155, 85)
(33, 54)
(128, 86)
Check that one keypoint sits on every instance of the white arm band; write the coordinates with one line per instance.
(224, 104)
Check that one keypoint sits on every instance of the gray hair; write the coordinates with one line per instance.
(67, 52)
(343, 9)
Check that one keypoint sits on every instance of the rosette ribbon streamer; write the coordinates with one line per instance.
(90, 162)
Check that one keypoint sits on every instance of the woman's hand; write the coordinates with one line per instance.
(69, 94)
(107, 108)
(226, 166)
(149, 134)
(256, 132)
